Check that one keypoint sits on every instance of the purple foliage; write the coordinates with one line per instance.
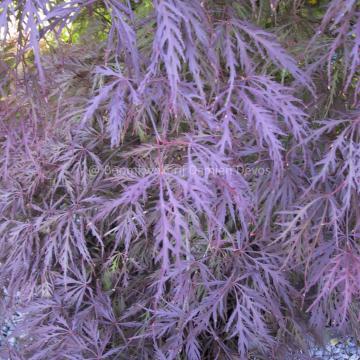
(178, 179)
